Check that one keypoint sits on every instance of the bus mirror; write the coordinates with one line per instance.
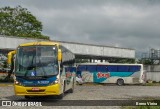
(59, 55)
(10, 55)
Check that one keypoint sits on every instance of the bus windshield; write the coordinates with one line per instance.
(34, 61)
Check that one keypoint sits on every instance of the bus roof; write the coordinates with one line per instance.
(39, 43)
(107, 64)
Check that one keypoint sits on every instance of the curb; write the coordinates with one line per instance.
(6, 84)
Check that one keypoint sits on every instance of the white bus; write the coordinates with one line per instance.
(111, 73)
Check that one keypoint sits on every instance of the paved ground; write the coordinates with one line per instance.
(94, 92)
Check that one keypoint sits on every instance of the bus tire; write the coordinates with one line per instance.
(61, 96)
(120, 82)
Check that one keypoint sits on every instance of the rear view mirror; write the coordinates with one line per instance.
(59, 55)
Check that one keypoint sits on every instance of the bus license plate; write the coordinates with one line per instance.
(35, 88)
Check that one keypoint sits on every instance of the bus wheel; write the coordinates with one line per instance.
(61, 96)
(120, 82)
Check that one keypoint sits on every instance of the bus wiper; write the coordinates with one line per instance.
(31, 67)
(47, 76)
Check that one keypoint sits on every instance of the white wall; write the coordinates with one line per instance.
(77, 48)
(153, 72)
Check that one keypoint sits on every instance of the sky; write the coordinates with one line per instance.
(121, 23)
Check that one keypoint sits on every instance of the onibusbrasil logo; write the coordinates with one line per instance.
(20, 103)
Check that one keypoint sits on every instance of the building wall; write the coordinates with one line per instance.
(12, 43)
(105, 51)
(77, 48)
(153, 72)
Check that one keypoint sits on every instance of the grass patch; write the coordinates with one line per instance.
(8, 80)
(113, 84)
(149, 84)
(148, 103)
(97, 84)
(152, 84)
(140, 107)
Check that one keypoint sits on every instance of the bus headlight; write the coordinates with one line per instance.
(17, 83)
(55, 82)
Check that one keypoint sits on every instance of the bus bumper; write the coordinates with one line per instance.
(42, 91)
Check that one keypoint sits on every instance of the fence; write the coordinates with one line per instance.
(152, 72)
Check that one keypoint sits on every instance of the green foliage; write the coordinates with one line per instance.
(146, 61)
(20, 22)
(140, 107)
(6, 80)
(4, 64)
(130, 61)
(82, 60)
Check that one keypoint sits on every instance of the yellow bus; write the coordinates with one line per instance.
(43, 68)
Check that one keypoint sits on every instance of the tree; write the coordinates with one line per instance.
(20, 22)
(82, 60)
(130, 61)
(146, 61)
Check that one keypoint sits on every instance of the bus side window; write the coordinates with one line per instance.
(112, 68)
(92, 68)
(134, 68)
(67, 69)
(81, 68)
(101, 68)
(73, 69)
(123, 68)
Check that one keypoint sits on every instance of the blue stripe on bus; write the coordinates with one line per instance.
(41, 82)
(121, 74)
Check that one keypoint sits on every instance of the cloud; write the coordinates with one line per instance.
(130, 24)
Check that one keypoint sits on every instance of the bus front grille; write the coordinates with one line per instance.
(35, 90)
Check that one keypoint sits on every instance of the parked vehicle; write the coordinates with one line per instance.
(111, 73)
(43, 68)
